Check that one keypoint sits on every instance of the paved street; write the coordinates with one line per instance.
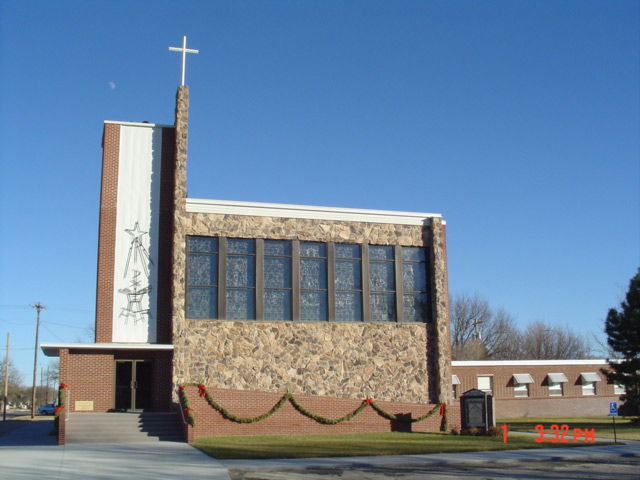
(618, 468)
(621, 462)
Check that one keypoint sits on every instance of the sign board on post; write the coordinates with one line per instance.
(613, 413)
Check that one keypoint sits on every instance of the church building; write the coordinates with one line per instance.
(252, 304)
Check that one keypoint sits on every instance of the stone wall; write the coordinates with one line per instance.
(339, 359)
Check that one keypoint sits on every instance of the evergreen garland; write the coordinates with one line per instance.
(191, 420)
(325, 420)
(289, 397)
(445, 420)
(382, 411)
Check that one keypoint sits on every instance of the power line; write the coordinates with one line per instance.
(65, 325)
(51, 332)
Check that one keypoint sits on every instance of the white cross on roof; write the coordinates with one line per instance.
(184, 51)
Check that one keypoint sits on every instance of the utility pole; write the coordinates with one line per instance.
(38, 306)
(6, 381)
(476, 325)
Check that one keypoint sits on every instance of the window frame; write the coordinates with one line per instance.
(554, 388)
(519, 389)
(296, 290)
(588, 388)
(490, 378)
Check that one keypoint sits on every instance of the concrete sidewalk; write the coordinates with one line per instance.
(28, 452)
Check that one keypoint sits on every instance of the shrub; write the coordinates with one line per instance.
(493, 431)
(455, 431)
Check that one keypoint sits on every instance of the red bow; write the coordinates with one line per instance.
(181, 387)
(189, 410)
(442, 407)
(58, 409)
(201, 390)
(63, 385)
(368, 400)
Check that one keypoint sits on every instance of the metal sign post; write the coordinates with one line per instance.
(613, 413)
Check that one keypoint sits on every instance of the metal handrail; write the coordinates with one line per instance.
(182, 409)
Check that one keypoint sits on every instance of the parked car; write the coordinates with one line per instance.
(48, 409)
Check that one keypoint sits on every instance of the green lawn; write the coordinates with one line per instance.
(625, 430)
(355, 445)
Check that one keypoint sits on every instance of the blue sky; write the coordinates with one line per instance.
(518, 121)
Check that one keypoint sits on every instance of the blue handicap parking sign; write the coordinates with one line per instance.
(613, 409)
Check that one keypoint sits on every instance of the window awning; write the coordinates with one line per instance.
(522, 378)
(590, 377)
(557, 377)
(455, 380)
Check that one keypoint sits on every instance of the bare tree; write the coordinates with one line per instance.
(15, 377)
(15, 381)
(477, 333)
(541, 341)
(54, 373)
(503, 338)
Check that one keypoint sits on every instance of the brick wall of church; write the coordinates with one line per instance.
(288, 421)
(539, 403)
(90, 376)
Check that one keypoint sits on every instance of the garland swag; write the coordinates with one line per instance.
(318, 418)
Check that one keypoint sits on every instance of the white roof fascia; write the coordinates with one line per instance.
(522, 378)
(525, 363)
(53, 349)
(557, 377)
(225, 207)
(590, 377)
(138, 124)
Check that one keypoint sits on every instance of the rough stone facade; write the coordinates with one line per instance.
(342, 360)
(407, 362)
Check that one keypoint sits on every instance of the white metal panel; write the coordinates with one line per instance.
(137, 232)
(455, 380)
(590, 377)
(522, 378)
(558, 378)
(197, 205)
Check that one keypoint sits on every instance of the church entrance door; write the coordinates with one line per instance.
(133, 385)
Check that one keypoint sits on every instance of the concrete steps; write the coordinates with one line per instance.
(123, 427)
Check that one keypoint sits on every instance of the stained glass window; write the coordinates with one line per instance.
(202, 277)
(313, 281)
(382, 284)
(348, 282)
(285, 291)
(414, 284)
(241, 279)
(277, 280)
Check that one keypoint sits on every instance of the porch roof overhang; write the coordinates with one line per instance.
(53, 349)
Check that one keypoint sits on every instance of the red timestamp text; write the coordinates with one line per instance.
(558, 434)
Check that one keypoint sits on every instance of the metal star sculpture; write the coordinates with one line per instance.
(136, 248)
